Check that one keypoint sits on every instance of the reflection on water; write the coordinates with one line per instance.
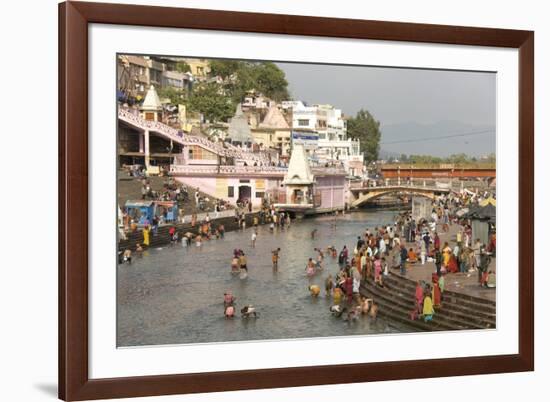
(174, 295)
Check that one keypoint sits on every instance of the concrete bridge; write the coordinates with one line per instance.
(361, 195)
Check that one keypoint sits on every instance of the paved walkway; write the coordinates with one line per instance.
(460, 282)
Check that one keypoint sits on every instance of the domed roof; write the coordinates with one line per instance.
(152, 101)
(239, 130)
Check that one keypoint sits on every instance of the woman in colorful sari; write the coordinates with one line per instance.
(419, 297)
(446, 255)
(146, 236)
(452, 267)
(436, 294)
(427, 308)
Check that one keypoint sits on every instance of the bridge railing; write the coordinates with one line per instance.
(415, 183)
(194, 169)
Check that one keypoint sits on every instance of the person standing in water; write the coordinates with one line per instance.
(242, 262)
(275, 257)
(329, 285)
(310, 267)
(254, 237)
(314, 290)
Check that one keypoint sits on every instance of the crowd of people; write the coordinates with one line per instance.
(401, 245)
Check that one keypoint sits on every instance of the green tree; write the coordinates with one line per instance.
(366, 129)
(211, 100)
(183, 67)
(224, 68)
(271, 81)
(264, 77)
(176, 96)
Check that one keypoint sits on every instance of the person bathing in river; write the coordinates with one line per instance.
(228, 299)
(310, 267)
(373, 311)
(254, 237)
(320, 257)
(353, 314)
(314, 290)
(337, 310)
(235, 264)
(249, 311)
(229, 311)
(127, 256)
(275, 257)
(329, 285)
(337, 295)
(243, 261)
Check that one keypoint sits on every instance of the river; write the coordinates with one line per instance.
(174, 295)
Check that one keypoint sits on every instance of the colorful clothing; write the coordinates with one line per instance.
(428, 309)
(436, 295)
(146, 236)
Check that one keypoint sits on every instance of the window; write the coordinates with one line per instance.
(303, 122)
(196, 152)
(230, 191)
(260, 194)
(244, 181)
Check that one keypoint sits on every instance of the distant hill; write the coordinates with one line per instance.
(410, 138)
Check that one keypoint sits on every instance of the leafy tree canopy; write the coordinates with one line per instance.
(183, 67)
(210, 100)
(176, 96)
(224, 68)
(366, 129)
(242, 76)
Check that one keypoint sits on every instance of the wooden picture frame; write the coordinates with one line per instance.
(74, 381)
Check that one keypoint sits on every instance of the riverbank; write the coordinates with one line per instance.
(174, 294)
(162, 236)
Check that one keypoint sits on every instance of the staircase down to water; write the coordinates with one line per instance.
(457, 312)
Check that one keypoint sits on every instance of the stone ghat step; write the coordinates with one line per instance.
(448, 309)
(395, 316)
(398, 314)
(382, 295)
(449, 293)
(162, 237)
(474, 303)
(481, 309)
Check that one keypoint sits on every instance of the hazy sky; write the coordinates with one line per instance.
(410, 104)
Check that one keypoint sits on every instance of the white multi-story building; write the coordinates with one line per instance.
(331, 145)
